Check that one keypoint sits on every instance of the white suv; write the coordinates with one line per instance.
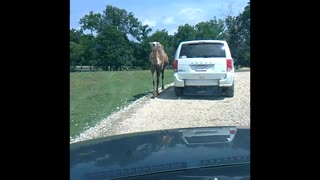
(203, 63)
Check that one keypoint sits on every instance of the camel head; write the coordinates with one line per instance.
(154, 45)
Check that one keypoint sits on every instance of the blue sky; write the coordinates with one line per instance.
(161, 14)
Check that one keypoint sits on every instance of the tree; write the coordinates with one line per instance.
(88, 43)
(124, 22)
(119, 39)
(91, 21)
(76, 54)
(212, 29)
(185, 32)
(144, 31)
(245, 36)
(238, 36)
(75, 35)
(114, 26)
(112, 47)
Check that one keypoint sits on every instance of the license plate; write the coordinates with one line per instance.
(201, 68)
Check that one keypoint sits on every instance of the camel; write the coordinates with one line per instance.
(158, 61)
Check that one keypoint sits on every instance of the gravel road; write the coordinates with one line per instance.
(168, 111)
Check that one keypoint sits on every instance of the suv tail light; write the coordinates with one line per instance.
(229, 65)
(175, 65)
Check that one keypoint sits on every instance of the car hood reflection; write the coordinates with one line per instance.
(148, 152)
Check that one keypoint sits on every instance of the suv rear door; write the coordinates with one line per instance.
(202, 60)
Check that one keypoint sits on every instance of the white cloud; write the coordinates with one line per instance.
(172, 31)
(151, 23)
(192, 14)
(168, 20)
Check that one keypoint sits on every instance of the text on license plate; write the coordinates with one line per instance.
(201, 68)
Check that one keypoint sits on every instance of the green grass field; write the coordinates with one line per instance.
(95, 95)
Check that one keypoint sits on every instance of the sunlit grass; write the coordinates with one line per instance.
(95, 95)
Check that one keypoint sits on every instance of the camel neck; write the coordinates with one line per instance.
(156, 55)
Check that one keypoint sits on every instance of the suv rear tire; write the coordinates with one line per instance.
(230, 91)
(178, 91)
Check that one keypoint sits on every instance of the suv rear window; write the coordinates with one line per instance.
(202, 50)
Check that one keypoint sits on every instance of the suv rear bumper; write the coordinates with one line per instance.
(228, 81)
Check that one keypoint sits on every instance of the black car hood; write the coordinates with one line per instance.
(154, 151)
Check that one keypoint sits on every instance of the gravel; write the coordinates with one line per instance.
(168, 111)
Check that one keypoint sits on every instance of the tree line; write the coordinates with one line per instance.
(116, 40)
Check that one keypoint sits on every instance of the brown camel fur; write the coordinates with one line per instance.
(158, 61)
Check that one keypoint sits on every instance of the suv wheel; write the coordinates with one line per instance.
(178, 91)
(230, 91)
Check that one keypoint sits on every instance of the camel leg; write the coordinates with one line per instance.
(158, 78)
(153, 82)
(162, 78)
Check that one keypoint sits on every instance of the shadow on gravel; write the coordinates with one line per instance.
(168, 93)
(137, 96)
(214, 94)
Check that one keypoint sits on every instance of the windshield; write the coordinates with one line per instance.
(153, 85)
